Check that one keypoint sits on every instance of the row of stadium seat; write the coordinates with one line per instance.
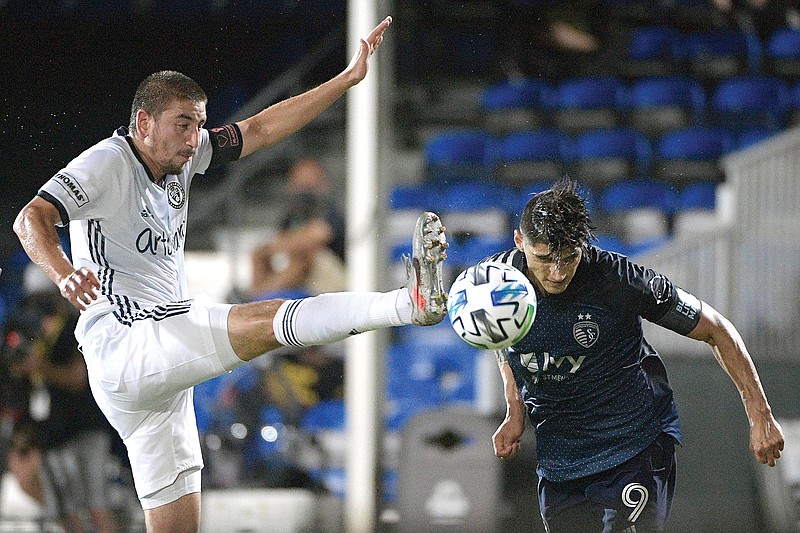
(595, 157)
(653, 105)
(663, 49)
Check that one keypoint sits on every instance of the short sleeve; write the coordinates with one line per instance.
(89, 187)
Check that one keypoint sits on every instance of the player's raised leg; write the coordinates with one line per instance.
(256, 328)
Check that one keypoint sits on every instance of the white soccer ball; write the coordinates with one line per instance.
(491, 305)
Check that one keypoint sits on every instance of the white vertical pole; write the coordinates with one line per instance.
(364, 383)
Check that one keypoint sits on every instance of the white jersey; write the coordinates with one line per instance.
(125, 228)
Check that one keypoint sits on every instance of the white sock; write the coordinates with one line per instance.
(331, 317)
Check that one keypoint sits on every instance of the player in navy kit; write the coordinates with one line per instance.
(595, 391)
(146, 344)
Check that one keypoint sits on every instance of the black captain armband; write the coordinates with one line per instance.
(227, 144)
(684, 312)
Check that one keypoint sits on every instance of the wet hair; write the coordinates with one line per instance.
(557, 217)
(160, 89)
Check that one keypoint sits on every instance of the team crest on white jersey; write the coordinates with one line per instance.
(585, 331)
(176, 196)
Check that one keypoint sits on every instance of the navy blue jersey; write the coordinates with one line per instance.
(596, 392)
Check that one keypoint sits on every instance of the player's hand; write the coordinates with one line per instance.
(80, 287)
(766, 440)
(506, 440)
(358, 65)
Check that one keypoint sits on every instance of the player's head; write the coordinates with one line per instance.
(554, 231)
(167, 112)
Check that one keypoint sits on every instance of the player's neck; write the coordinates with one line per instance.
(154, 171)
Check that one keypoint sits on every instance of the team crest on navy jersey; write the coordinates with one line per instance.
(585, 331)
(175, 195)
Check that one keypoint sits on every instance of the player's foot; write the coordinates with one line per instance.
(424, 271)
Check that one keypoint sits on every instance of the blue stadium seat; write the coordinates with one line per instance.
(744, 102)
(516, 104)
(413, 196)
(604, 156)
(612, 243)
(640, 211)
(782, 53)
(458, 154)
(754, 136)
(696, 211)
(589, 102)
(325, 415)
(692, 154)
(475, 248)
(475, 207)
(666, 103)
(638, 194)
(652, 51)
(698, 195)
(533, 155)
(716, 55)
(456, 371)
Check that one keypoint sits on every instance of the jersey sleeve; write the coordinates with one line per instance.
(662, 302)
(88, 187)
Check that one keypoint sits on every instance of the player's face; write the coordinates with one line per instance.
(174, 136)
(551, 271)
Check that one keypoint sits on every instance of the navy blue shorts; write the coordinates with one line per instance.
(634, 497)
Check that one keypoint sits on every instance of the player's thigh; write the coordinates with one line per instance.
(160, 352)
(566, 509)
(638, 493)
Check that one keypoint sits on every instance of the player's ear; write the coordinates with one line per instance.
(144, 121)
(519, 241)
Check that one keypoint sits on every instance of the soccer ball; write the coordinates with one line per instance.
(491, 305)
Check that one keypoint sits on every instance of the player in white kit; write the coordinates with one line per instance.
(145, 344)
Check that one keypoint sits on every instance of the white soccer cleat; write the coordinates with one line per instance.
(424, 271)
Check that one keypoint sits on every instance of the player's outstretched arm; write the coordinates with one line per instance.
(280, 120)
(35, 227)
(506, 440)
(766, 435)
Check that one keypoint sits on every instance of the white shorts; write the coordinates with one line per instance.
(142, 376)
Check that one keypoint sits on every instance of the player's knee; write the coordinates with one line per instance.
(250, 328)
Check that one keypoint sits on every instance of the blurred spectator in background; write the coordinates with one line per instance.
(310, 201)
(26, 494)
(554, 40)
(759, 17)
(308, 252)
(76, 437)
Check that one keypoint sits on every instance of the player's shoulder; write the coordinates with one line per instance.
(614, 267)
(108, 150)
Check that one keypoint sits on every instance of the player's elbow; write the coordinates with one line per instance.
(33, 215)
(21, 223)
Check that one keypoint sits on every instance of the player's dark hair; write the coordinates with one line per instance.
(557, 217)
(158, 90)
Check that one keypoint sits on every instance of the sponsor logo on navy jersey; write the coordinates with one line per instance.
(72, 187)
(176, 196)
(560, 368)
